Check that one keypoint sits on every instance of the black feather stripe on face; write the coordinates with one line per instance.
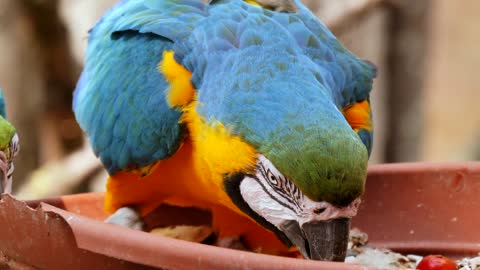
(284, 187)
(232, 188)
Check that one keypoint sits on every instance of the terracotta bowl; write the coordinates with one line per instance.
(411, 208)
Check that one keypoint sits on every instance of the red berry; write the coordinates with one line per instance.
(436, 262)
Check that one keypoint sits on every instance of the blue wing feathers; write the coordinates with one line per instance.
(120, 100)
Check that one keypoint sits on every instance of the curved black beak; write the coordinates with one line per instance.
(320, 240)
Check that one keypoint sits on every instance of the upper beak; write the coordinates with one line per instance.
(320, 240)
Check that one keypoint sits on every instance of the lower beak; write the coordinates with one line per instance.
(320, 240)
(328, 240)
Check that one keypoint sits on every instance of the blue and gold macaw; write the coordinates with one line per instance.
(9, 146)
(249, 108)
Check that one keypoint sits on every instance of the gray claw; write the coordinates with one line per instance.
(126, 217)
(233, 242)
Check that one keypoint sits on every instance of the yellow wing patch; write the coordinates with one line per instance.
(181, 91)
(217, 150)
(216, 153)
(358, 116)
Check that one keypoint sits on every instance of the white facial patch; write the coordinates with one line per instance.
(277, 199)
(262, 203)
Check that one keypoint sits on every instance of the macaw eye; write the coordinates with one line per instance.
(272, 178)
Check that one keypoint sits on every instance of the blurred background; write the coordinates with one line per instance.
(424, 101)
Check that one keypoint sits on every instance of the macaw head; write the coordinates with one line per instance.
(309, 173)
(9, 147)
(317, 222)
(280, 110)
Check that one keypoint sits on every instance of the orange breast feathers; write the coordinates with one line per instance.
(358, 115)
(148, 187)
(191, 177)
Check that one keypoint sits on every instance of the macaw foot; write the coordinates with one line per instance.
(127, 217)
(233, 242)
